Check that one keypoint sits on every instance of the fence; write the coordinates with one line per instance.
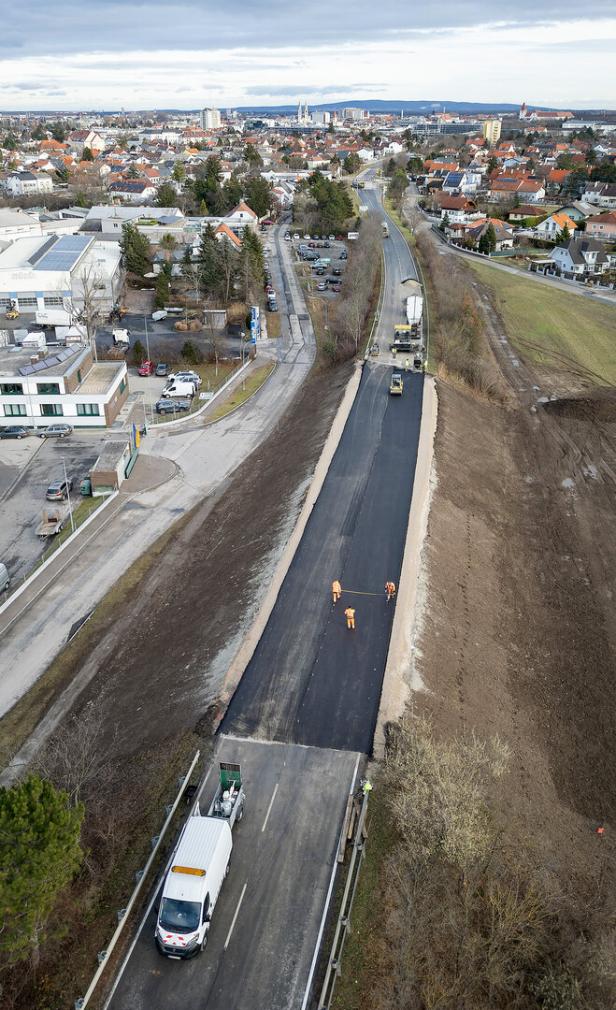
(124, 913)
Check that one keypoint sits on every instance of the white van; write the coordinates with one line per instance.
(179, 388)
(190, 892)
(4, 578)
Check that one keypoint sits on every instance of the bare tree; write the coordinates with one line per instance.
(79, 753)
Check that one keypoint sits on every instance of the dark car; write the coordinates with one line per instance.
(343, 255)
(59, 489)
(162, 369)
(14, 431)
(336, 288)
(337, 272)
(170, 406)
(272, 305)
(55, 431)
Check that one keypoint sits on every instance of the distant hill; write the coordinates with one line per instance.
(392, 105)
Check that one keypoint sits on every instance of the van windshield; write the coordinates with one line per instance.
(179, 916)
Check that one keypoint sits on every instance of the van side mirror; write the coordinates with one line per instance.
(207, 917)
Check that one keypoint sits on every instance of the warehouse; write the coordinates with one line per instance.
(42, 273)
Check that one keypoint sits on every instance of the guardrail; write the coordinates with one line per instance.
(124, 913)
(343, 924)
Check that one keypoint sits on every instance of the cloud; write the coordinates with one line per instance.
(139, 57)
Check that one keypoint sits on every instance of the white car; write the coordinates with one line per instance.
(187, 376)
(159, 315)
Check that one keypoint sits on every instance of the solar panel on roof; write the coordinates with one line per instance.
(64, 253)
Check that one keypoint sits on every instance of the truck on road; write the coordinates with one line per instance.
(199, 866)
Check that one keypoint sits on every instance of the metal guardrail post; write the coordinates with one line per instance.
(344, 918)
(124, 913)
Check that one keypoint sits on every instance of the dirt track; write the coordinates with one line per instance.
(520, 633)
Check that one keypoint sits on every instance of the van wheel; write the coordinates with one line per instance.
(227, 868)
(204, 941)
(240, 813)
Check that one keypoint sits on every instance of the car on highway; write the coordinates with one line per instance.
(58, 490)
(14, 431)
(146, 368)
(170, 406)
(186, 376)
(162, 370)
(55, 431)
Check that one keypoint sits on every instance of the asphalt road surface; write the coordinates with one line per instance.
(267, 919)
(311, 680)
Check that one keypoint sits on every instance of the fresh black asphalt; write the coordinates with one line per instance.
(312, 681)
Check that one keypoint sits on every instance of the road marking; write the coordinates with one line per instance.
(237, 912)
(269, 809)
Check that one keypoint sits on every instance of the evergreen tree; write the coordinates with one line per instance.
(352, 163)
(39, 854)
(564, 236)
(179, 172)
(87, 154)
(163, 290)
(487, 242)
(166, 196)
(135, 249)
(232, 193)
(258, 195)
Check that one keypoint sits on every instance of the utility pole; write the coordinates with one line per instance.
(68, 496)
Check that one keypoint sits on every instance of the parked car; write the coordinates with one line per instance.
(326, 244)
(287, 237)
(162, 369)
(170, 406)
(58, 490)
(343, 255)
(272, 306)
(14, 431)
(186, 376)
(337, 272)
(146, 368)
(319, 271)
(159, 315)
(55, 431)
(4, 577)
(336, 288)
(332, 238)
(322, 286)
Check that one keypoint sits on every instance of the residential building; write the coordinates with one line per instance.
(132, 190)
(600, 226)
(491, 130)
(505, 237)
(580, 258)
(210, 119)
(600, 194)
(27, 183)
(40, 389)
(553, 225)
(50, 272)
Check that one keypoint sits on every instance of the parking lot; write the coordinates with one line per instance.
(27, 467)
(324, 281)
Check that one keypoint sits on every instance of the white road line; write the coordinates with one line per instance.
(269, 809)
(237, 912)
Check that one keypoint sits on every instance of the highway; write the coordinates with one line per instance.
(303, 716)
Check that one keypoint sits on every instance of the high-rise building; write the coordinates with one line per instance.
(210, 119)
(320, 117)
(354, 114)
(492, 130)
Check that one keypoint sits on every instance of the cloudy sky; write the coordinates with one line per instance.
(105, 54)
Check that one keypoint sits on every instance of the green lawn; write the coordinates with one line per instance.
(241, 392)
(543, 324)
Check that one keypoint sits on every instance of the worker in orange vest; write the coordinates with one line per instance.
(336, 590)
(390, 589)
(350, 618)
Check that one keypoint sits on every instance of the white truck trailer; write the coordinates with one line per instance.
(199, 866)
(414, 310)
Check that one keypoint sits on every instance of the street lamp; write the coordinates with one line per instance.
(68, 495)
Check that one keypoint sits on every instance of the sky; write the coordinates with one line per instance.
(105, 54)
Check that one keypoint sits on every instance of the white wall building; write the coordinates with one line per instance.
(16, 224)
(210, 119)
(45, 273)
(65, 385)
(28, 183)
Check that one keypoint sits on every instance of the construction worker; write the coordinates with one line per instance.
(366, 786)
(336, 591)
(350, 618)
(390, 590)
